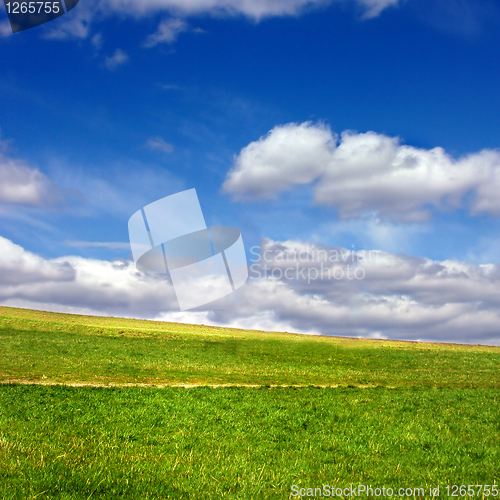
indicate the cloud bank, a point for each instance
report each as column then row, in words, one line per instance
column 77, row 284
column 398, row 297
column 365, row 172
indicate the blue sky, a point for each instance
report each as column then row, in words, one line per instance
column 119, row 103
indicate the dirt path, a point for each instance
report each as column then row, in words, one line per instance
column 185, row 386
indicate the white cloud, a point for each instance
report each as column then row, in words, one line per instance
column 119, row 58
column 255, row 9
column 75, row 283
column 289, row 155
column 168, row 31
column 157, row 143
column 20, row 268
column 22, row 184
column 400, row 297
column 366, row 172
column 78, row 25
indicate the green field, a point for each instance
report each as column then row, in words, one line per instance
column 115, row 408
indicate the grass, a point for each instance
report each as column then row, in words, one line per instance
column 241, row 443
column 394, row 414
column 58, row 348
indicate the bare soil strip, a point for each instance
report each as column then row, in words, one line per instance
column 184, row 386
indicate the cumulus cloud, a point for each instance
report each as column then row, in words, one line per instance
column 293, row 286
column 289, row 155
column 22, row 184
column 19, row 267
column 361, row 173
column 119, row 58
column 168, row 31
column 77, row 284
column 335, row 291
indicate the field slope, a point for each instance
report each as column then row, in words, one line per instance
column 115, row 408
column 59, row 348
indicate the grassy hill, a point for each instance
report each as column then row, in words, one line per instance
column 60, row 348
column 114, row 408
